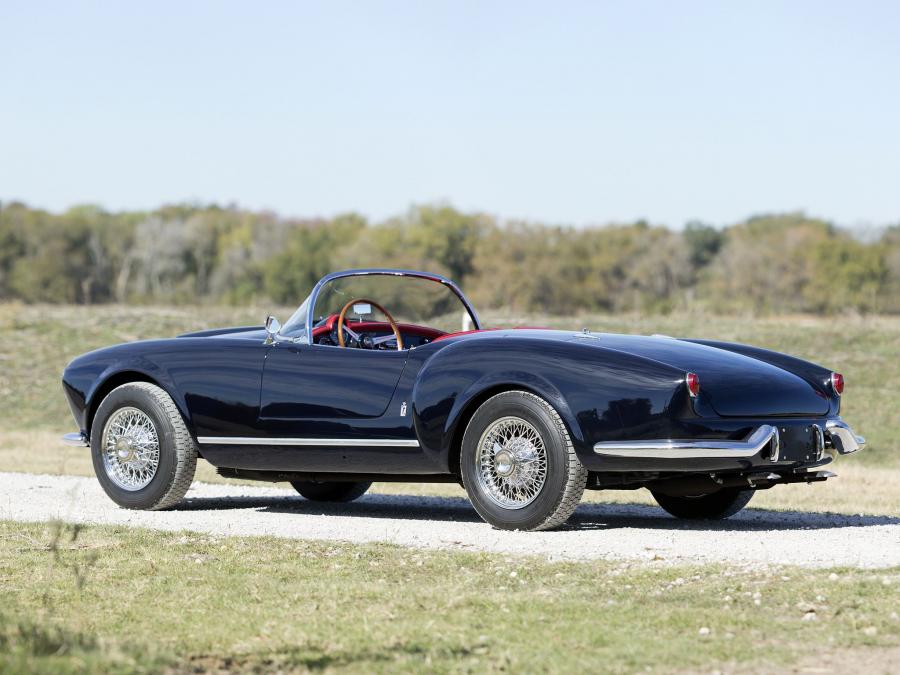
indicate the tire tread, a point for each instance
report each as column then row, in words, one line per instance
column 715, row 506
column 183, row 442
column 576, row 478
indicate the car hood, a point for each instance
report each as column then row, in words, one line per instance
column 733, row 384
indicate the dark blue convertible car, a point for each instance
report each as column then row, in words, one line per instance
column 388, row 375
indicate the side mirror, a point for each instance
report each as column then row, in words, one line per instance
column 272, row 328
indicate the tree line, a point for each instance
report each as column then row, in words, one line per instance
column 780, row 263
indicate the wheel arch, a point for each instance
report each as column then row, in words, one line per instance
column 454, row 382
column 117, row 379
column 457, row 424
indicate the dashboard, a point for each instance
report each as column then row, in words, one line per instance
column 373, row 334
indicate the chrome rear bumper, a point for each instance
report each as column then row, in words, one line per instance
column 76, row 439
column 842, row 437
column 764, row 440
column 673, row 449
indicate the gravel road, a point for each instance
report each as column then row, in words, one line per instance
column 614, row 532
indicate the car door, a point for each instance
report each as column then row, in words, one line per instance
column 319, row 391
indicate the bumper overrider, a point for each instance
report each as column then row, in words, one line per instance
column 763, row 445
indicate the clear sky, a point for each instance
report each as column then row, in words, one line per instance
column 563, row 112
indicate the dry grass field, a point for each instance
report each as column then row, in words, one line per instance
column 87, row 599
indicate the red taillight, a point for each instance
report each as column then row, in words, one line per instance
column 837, row 383
column 693, row 384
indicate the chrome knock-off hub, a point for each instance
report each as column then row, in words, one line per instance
column 504, row 463
column 124, row 450
column 512, row 462
column 130, row 447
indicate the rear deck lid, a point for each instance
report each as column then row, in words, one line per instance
column 734, row 385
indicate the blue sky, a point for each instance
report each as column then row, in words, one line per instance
column 562, row 112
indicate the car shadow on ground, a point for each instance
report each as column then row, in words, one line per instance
column 587, row 517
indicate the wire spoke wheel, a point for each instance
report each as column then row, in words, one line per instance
column 130, row 447
column 512, row 462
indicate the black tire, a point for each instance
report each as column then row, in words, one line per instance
column 177, row 451
column 331, row 491
column 715, row 506
column 564, row 476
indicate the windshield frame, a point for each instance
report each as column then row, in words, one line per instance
column 310, row 302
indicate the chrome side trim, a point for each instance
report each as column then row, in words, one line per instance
column 843, row 438
column 315, row 442
column 76, row 439
column 676, row 449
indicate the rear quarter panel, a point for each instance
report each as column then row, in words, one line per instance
column 600, row 394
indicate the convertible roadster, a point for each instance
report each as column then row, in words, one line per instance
column 387, row 375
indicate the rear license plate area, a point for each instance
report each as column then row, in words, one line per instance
column 799, row 443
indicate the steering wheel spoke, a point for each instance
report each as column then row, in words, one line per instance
column 382, row 339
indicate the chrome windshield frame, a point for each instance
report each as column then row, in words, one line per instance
column 313, row 297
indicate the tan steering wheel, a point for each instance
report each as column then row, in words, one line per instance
column 340, row 323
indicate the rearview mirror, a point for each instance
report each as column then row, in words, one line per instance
column 272, row 328
column 362, row 309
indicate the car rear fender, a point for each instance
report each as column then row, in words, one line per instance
column 580, row 381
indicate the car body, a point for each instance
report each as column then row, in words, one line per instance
column 683, row 417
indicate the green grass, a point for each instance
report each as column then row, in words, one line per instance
column 152, row 600
column 29, row 647
column 36, row 342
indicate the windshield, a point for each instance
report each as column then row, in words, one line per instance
column 410, row 300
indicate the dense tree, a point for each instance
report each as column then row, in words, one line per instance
column 195, row 253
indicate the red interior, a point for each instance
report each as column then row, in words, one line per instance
column 462, row 332
column 406, row 328
column 378, row 326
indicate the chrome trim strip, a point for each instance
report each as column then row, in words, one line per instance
column 699, row 449
column 848, row 441
column 315, row 442
column 76, row 439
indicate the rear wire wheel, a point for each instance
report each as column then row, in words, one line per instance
column 714, row 506
column 518, row 464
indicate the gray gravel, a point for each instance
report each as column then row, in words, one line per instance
column 614, row 532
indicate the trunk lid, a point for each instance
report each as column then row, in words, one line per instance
column 734, row 385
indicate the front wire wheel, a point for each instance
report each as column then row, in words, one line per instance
column 518, row 464
column 130, row 448
column 143, row 454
